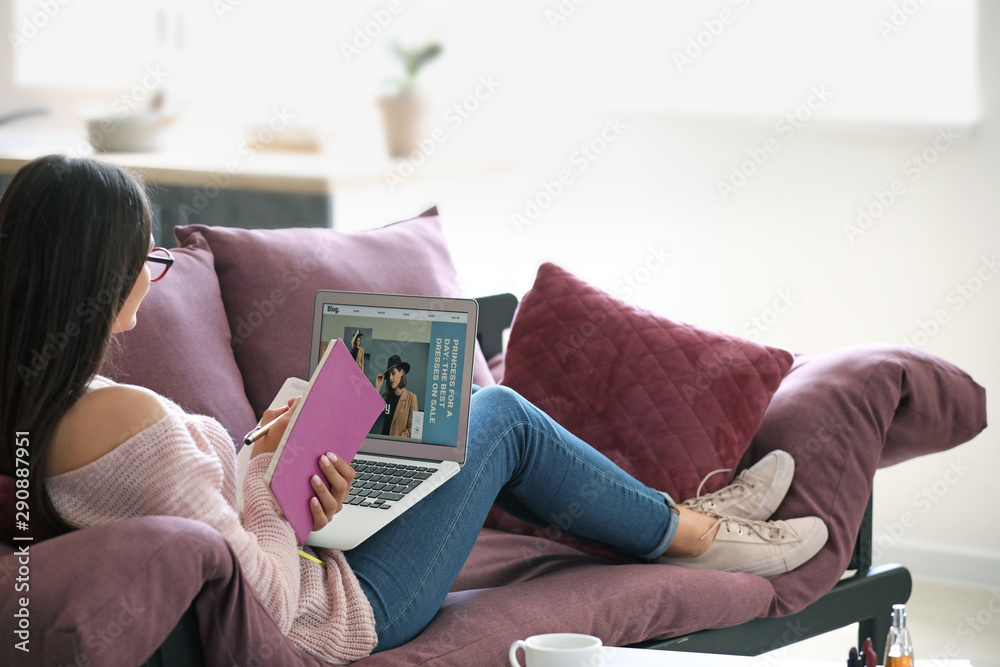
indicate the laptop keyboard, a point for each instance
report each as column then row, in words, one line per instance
column 378, row 483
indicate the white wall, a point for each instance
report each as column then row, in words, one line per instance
column 781, row 233
column 655, row 188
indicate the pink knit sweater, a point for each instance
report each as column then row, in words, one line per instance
column 185, row 465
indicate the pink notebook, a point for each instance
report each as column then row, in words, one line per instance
column 335, row 414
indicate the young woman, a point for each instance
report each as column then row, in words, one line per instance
column 76, row 260
column 400, row 402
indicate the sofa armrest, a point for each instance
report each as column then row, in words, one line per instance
column 111, row 594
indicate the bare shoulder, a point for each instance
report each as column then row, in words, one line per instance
column 100, row 421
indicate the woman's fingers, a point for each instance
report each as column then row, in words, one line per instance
column 330, row 495
column 323, row 505
column 271, row 415
column 269, row 441
column 339, row 474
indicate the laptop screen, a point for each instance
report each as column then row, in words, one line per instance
column 417, row 352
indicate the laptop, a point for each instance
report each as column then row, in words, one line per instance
column 420, row 442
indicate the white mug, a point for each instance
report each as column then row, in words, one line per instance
column 563, row 649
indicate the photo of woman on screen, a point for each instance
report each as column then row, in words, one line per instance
column 400, row 402
column 357, row 351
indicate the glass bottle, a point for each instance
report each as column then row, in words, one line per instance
column 898, row 646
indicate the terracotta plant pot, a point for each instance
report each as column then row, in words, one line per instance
column 403, row 115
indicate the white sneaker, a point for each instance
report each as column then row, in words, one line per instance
column 754, row 494
column 764, row 548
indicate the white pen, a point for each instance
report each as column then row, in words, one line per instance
column 258, row 433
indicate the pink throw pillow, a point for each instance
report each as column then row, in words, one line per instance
column 665, row 400
column 180, row 346
column 269, row 279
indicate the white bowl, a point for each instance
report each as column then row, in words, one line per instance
column 132, row 133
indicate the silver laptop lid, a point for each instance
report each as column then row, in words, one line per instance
column 433, row 339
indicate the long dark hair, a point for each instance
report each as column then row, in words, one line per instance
column 74, row 236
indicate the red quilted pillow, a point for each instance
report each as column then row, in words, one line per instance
column 665, row 400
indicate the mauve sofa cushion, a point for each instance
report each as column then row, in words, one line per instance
column 842, row 415
column 667, row 401
column 269, row 279
column 180, row 346
column 510, row 589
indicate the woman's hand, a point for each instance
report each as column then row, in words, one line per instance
column 330, row 495
column 328, row 501
column 379, row 379
column 269, row 441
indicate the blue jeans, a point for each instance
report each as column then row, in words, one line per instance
column 531, row 467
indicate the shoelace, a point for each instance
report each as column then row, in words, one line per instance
column 738, row 485
column 705, row 479
column 773, row 533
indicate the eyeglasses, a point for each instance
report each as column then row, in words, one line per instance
column 159, row 261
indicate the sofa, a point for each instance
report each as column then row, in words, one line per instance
column 666, row 400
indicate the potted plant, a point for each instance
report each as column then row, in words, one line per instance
column 403, row 110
